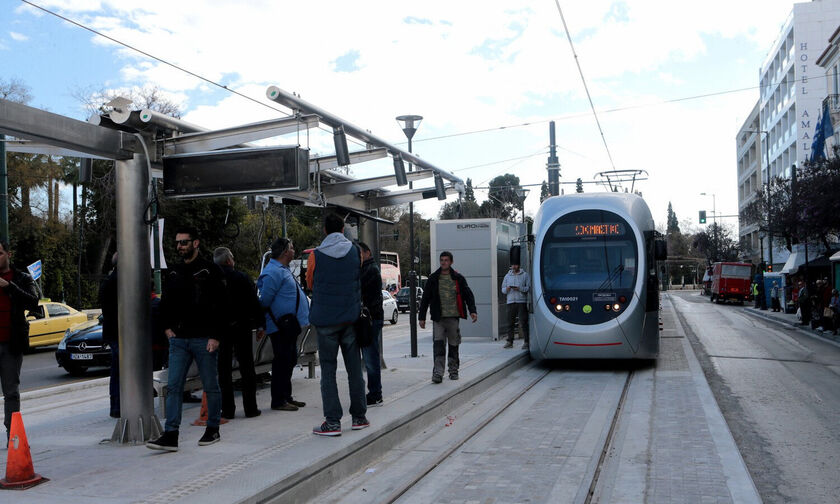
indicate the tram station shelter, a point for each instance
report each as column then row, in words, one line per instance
column 481, row 251
column 195, row 162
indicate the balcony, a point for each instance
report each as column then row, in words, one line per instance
column 832, row 101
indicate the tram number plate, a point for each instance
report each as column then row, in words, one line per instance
column 81, row 356
column 603, row 296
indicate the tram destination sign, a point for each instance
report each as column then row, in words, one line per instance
column 236, row 172
column 589, row 230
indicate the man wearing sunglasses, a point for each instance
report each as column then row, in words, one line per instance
column 193, row 311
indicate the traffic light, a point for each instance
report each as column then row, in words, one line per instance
column 770, row 268
column 702, row 216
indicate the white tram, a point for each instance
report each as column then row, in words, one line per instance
column 595, row 291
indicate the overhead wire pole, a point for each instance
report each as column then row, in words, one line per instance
column 4, row 191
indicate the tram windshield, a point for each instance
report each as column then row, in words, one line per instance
column 590, row 250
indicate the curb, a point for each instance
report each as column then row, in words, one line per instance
column 307, row 483
column 792, row 325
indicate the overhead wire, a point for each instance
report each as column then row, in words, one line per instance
column 585, row 87
column 168, row 63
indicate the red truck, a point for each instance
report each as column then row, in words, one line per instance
column 731, row 281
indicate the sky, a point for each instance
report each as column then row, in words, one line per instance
column 487, row 77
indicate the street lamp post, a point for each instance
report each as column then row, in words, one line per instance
column 767, row 184
column 409, row 125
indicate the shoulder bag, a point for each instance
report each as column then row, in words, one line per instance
column 288, row 324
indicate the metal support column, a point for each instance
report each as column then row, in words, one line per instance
column 138, row 422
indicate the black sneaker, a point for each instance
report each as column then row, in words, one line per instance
column 211, row 436
column 168, row 441
column 453, row 376
column 299, row 404
column 252, row 414
column 285, row 407
column 374, row 403
column 360, row 423
column 327, row 429
column 508, row 344
column 437, row 379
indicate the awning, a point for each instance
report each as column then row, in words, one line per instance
column 835, row 257
column 795, row 260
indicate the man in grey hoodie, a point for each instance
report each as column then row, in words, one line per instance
column 333, row 273
column 516, row 286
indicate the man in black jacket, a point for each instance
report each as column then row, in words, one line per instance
column 193, row 310
column 17, row 294
column 371, row 281
column 449, row 299
column 247, row 314
column 108, row 303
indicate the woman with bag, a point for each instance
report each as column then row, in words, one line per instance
column 286, row 313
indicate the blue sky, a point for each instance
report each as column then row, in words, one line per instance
column 461, row 69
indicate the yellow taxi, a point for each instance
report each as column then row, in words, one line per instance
column 48, row 323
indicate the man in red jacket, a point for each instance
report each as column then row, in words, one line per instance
column 449, row 299
column 17, row 294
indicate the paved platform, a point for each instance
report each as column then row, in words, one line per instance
column 672, row 445
column 68, row 428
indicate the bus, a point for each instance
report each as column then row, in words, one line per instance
column 390, row 268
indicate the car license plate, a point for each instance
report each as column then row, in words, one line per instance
column 81, row 356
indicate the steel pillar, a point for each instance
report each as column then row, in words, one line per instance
column 138, row 422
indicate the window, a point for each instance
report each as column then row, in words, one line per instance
column 56, row 310
column 588, row 261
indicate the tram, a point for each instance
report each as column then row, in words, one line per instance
column 595, row 289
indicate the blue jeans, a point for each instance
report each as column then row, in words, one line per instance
column 371, row 356
column 182, row 351
column 330, row 339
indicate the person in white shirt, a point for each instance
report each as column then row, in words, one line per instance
column 516, row 286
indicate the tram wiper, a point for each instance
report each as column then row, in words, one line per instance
column 616, row 271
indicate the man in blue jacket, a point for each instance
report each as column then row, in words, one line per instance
column 281, row 295
column 333, row 272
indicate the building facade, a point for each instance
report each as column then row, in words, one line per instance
column 829, row 60
column 792, row 91
column 749, row 182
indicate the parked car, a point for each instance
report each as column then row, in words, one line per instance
column 48, row 323
column 389, row 307
column 402, row 298
column 82, row 347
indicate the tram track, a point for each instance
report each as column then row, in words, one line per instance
column 588, row 490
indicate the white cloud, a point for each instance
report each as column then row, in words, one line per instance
column 464, row 66
column 18, row 37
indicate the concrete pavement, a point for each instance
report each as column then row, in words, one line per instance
column 672, row 444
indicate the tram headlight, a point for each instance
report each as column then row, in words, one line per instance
column 616, row 307
column 607, row 307
column 622, row 299
column 567, row 307
column 559, row 307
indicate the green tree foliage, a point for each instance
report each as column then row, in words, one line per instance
column 717, row 243
column 469, row 193
column 503, row 199
column 673, row 222
column 544, row 194
column 807, row 208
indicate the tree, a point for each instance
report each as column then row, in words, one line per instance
column 544, row 194
column 717, row 243
column 579, row 185
column 503, row 201
column 469, row 193
column 673, row 222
